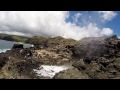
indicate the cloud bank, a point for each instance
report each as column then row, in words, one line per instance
column 51, row 24
column 107, row 15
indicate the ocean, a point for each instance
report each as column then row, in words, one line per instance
column 7, row 45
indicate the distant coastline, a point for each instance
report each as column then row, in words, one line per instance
column 13, row 38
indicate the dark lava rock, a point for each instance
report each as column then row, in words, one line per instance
column 97, row 47
column 19, row 46
column 101, row 75
column 117, row 64
column 3, row 60
column 71, row 74
column 89, row 47
column 20, row 69
column 80, row 65
column 94, row 67
column 92, row 58
column 104, row 61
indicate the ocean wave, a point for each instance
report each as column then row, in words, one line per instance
column 3, row 50
column 49, row 70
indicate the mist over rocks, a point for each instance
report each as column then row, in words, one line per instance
column 97, row 66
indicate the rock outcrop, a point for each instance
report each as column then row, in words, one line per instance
column 17, row 46
column 80, row 65
column 92, row 58
column 71, row 74
column 97, row 58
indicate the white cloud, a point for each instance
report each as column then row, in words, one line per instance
column 76, row 17
column 47, row 23
column 106, row 31
column 107, row 15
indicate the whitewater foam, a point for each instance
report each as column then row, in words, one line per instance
column 49, row 70
column 3, row 50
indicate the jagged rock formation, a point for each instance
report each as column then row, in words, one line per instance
column 22, row 59
column 71, row 74
column 99, row 60
column 92, row 58
column 89, row 47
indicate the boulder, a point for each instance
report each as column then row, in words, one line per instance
column 17, row 46
column 80, row 65
column 94, row 67
column 72, row 73
column 104, row 61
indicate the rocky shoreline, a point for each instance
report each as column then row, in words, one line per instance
column 91, row 58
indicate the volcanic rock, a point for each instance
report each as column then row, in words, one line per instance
column 17, row 46
column 80, row 65
column 71, row 74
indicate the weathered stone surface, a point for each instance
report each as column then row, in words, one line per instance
column 71, row 74
column 80, row 65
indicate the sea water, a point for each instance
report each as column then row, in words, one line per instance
column 50, row 70
column 7, row 45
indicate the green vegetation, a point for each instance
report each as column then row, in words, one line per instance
column 50, row 41
column 19, row 39
column 2, row 35
column 13, row 38
column 61, row 40
column 37, row 40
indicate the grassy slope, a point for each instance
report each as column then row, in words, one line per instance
column 42, row 40
column 13, row 38
column 37, row 40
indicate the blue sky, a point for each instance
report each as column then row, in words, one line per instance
column 113, row 24
column 68, row 24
